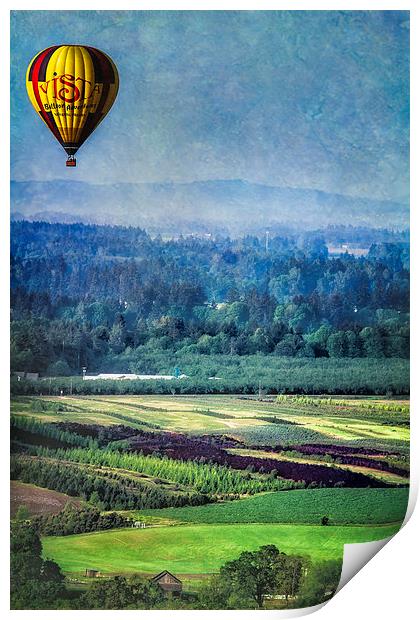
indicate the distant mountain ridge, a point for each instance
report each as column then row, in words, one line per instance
column 232, row 206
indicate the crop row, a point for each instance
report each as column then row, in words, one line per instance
column 52, row 431
column 207, row 478
column 340, row 506
column 341, row 454
column 278, row 434
column 335, row 402
column 179, row 446
column 109, row 490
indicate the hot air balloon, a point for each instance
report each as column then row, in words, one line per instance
column 72, row 87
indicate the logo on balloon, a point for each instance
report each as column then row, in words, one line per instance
column 69, row 88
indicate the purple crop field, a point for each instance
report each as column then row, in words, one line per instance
column 212, row 449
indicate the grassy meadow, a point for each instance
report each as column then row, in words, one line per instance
column 199, row 549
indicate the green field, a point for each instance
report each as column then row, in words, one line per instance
column 308, row 506
column 238, row 417
column 181, row 414
column 198, row 549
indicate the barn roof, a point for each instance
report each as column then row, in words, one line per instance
column 165, row 572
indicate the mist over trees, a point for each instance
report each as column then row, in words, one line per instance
column 90, row 295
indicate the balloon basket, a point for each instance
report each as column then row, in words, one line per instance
column 71, row 163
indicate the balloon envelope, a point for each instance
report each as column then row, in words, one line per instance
column 72, row 87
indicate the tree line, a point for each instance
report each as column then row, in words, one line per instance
column 234, row 374
column 83, row 296
column 73, row 520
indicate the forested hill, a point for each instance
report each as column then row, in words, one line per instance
column 88, row 294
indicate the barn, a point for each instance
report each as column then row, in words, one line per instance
column 168, row 582
column 92, row 572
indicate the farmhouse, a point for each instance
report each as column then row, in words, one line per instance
column 168, row 582
column 91, row 572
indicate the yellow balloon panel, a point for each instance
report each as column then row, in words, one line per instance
column 72, row 87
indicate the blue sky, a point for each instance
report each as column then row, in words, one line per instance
column 292, row 99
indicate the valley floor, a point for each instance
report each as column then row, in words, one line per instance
column 342, row 461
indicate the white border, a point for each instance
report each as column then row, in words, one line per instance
column 395, row 567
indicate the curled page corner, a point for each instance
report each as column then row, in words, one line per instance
column 357, row 555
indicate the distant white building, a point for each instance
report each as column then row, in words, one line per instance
column 132, row 377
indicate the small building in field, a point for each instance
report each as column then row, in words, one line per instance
column 168, row 582
column 91, row 572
